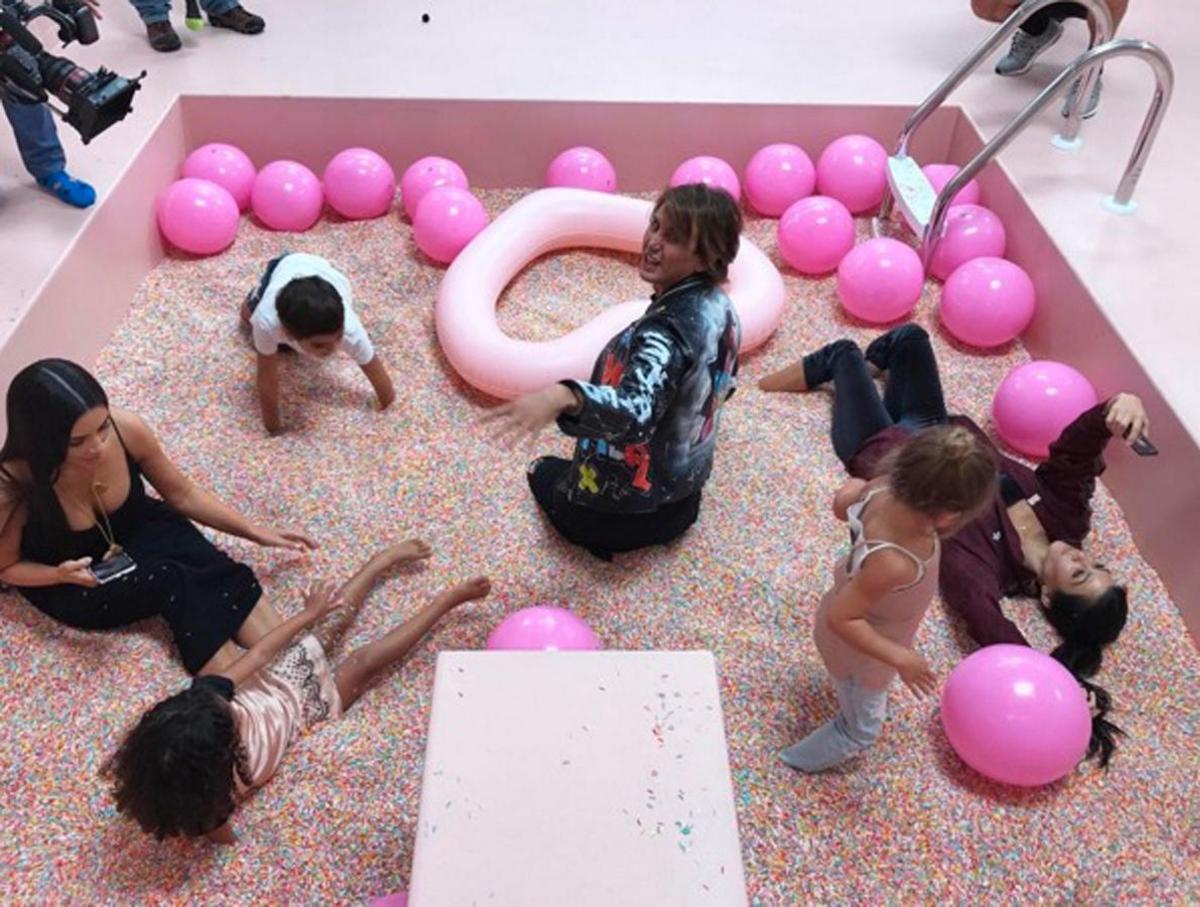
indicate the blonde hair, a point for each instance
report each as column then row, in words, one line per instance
column 946, row 469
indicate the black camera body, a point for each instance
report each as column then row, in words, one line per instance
column 30, row 75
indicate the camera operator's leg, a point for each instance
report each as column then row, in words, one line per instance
column 156, row 14
column 42, row 153
column 230, row 14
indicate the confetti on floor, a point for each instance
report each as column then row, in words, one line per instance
column 908, row 824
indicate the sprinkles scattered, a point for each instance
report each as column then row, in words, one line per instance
column 909, row 823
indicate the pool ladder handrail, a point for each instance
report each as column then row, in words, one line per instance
column 1090, row 61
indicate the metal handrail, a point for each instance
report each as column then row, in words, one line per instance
column 1164, row 77
column 1102, row 34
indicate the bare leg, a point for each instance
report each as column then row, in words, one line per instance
column 223, row 659
column 356, row 589
column 789, row 379
column 245, row 313
column 258, row 623
column 361, row 665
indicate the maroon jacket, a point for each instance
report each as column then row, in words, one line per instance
column 982, row 563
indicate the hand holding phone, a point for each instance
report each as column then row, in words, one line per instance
column 112, row 568
column 1143, row 448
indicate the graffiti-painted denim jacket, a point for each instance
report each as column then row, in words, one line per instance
column 648, row 422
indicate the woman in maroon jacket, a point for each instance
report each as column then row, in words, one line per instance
column 1028, row 541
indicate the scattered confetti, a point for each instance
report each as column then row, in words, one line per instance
column 907, row 824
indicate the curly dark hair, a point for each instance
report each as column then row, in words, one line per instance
column 173, row 773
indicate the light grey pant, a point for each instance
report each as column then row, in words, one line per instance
column 851, row 731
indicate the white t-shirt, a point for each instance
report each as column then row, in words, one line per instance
column 264, row 321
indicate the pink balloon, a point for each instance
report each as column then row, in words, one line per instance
column 972, row 231
column 940, row 174
column 446, row 220
column 1036, row 401
column 777, row 177
column 359, row 184
column 287, row 196
column 429, row 173
column 227, row 166
column 880, row 280
column 582, row 167
column 853, row 169
column 987, row 302
column 712, row 171
column 198, row 216
column 1016, row 715
column 395, row 899
column 815, row 234
column 543, row 628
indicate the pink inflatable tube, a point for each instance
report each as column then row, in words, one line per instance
column 557, row 219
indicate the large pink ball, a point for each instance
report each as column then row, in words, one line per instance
column 543, row 628
column 429, row 173
column 972, row 231
column 582, row 167
column 987, row 302
column 777, row 177
column 198, row 216
column 853, row 169
column 712, row 171
column 1016, row 715
column 395, row 899
column 287, row 196
column 446, row 220
column 359, row 184
column 880, row 280
column 1036, row 401
column 940, row 174
column 227, row 166
column 815, row 234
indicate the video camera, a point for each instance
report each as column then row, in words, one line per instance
column 30, row 75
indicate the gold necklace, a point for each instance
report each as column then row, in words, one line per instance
column 103, row 524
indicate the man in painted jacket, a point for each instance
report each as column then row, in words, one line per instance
column 647, row 421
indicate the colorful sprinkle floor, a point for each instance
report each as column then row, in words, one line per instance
column 908, row 824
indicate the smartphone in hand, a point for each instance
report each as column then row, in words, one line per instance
column 112, row 568
column 1143, row 448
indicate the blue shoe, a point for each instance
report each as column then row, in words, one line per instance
column 65, row 188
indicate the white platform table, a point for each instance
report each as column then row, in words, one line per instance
column 576, row 779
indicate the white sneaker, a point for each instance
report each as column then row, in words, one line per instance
column 1026, row 48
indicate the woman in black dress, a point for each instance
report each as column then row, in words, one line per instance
column 73, row 506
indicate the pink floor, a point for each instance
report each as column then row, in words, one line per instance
column 908, row 824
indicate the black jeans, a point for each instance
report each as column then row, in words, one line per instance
column 1040, row 21
column 600, row 532
column 913, row 398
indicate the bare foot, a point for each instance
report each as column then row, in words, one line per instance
column 471, row 590
column 789, row 379
column 405, row 552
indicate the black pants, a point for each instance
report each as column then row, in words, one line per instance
column 1040, row 21
column 605, row 534
column 913, row 398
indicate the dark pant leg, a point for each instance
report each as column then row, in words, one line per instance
column 1040, row 21
column 858, row 413
column 913, row 397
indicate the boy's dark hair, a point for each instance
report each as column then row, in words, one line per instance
column 708, row 221
column 173, row 773
column 309, row 306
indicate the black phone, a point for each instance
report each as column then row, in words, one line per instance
column 1143, row 448
column 112, row 568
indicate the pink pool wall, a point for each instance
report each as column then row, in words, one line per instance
column 508, row 143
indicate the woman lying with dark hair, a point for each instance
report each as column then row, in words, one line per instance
column 1028, row 541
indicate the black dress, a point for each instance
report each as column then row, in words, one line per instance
column 203, row 594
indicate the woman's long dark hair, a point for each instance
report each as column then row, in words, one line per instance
column 1086, row 627
column 44, row 402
